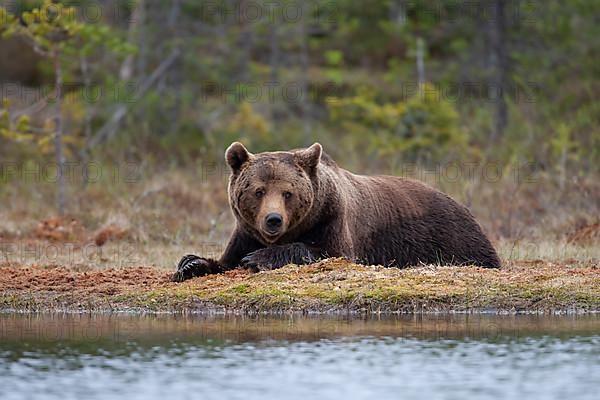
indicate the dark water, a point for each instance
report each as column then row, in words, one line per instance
column 166, row 357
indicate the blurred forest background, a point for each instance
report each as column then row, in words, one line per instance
column 493, row 101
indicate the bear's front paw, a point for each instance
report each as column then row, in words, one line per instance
column 191, row 266
column 260, row 260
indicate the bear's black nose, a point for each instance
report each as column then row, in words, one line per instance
column 274, row 221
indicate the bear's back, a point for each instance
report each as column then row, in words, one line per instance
column 401, row 221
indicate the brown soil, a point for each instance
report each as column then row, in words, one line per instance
column 331, row 285
column 57, row 279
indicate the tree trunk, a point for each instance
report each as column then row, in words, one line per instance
column 305, row 84
column 245, row 41
column 499, row 62
column 58, row 135
column 127, row 67
column 87, row 121
column 274, row 58
column 421, row 60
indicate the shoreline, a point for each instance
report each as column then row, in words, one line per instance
column 330, row 287
column 210, row 311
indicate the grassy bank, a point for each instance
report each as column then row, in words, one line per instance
column 118, row 247
column 333, row 285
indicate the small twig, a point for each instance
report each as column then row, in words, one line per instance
column 31, row 109
column 34, row 45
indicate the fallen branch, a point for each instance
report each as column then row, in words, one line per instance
column 108, row 129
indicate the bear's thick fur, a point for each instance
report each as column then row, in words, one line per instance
column 299, row 206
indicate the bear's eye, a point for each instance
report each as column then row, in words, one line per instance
column 287, row 195
column 259, row 193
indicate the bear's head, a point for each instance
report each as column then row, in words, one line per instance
column 272, row 193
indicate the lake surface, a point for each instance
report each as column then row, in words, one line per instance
column 166, row 357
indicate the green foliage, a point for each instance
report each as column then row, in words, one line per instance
column 55, row 32
column 348, row 45
column 53, row 27
column 19, row 130
column 423, row 128
column 248, row 124
column 94, row 36
column 334, row 60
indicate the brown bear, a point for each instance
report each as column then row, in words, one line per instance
column 296, row 207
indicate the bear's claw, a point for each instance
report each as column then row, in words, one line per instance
column 257, row 261
column 276, row 257
column 191, row 266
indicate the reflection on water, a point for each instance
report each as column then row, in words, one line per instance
column 445, row 357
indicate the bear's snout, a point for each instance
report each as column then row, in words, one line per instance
column 273, row 222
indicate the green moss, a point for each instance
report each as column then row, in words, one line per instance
column 339, row 285
column 241, row 289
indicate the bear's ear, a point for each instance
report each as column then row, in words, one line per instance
column 236, row 155
column 309, row 158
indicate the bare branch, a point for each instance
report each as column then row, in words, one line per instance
column 107, row 129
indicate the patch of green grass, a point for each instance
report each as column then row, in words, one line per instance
column 338, row 285
column 241, row 289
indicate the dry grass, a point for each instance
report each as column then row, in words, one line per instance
column 333, row 285
column 119, row 245
column 183, row 207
